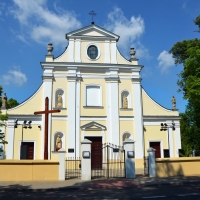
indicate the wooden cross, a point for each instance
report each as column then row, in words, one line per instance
column 46, row 112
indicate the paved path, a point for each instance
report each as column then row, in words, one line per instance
column 98, row 183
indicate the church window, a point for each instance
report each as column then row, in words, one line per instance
column 92, row 52
column 125, row 99
column 93, row 95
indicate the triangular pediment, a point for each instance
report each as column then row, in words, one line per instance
column 93, row 126
column 92, row 31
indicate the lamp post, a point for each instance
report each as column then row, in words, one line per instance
column 24, row 125
column 165, row 127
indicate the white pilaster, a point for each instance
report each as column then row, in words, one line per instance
column 47, row 92
column 108, row 105
column 107, row 52
column 71, row 50
column 78, row 51
column 10, row 139
column 178, row 140
column 113, row 52
column 138, row 117
column 171, row 143
column 71, row 111
column 78, row 99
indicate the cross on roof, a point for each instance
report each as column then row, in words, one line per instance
column 93, row 14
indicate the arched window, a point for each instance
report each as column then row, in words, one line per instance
column 125, row 99
column 58, row 141
column 59, row 98
column 92, row 52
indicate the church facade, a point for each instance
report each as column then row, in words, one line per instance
column 100, row 97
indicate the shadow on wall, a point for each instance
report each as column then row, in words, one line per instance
column 166, row 169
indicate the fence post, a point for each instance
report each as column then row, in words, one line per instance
column 86, row 159
column 152, row 162
column 61, row 157
column 129, row 148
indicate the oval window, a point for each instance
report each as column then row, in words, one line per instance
column 92, row 52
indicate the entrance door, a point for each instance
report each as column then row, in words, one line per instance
column 27, row 150
column 96, row 152
column 156, row 146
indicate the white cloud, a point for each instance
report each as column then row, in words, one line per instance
column 41, row 24
column 165, row 61
column 129, row 31
column 15, row 77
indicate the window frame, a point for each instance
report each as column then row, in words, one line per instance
column 98, row 49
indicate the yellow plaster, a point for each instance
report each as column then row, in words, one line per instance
column 93, row 111
column 150, row 107
column 122, row 60
column 63, row 57
column 31, row 135
column 84, row 57
column 34, row 103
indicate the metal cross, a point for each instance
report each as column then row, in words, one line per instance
column 93, row 14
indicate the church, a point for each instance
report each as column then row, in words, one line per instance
column 90, row 91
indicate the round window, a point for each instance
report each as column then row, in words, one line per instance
column 92, row 52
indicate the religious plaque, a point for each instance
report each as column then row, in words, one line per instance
column 130, row 154
column 86, row 154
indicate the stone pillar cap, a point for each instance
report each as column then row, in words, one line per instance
column 150, row 149
column 86, row 141
column 61, row 150
column 128, row 141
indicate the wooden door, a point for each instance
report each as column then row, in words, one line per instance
column 156, row 146
column 96, row 152
column 28, row 150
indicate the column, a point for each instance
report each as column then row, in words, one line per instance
column 10, row 139
column 129, row 148
column 113, row 52
column 138, row 118
column 78, row 50
column 107, row 51
column 86, row 160
column 71, row 50
column 71, row 130
column 61, row 158
column 78, row 99
column 152, row 162
column 178, row 138
column 47, row 92
column 171, row 143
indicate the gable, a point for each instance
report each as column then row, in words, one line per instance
column 92, row 31
column 93, row 126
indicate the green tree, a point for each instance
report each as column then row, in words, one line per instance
column 3, row 117
column 11, row 103
column 187, row 52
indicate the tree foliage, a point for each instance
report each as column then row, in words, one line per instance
column 11, row 103
column 187, row 52
column 3, row 117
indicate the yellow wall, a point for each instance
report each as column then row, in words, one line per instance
column 84, row 57
column 122, row 60
column 95, row 111
column 33, row 134
column 150, row 107
column 178, row 167
column 33, row 104
column 153, row 133
column 126, row 85
column 25, row 170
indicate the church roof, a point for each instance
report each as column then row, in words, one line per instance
column 92, row 31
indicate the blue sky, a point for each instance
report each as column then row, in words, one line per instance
column 152, row 27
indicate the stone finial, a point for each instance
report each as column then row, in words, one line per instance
column 132, row 53
column 50, row 48
column 173, row 100
column 4, row 100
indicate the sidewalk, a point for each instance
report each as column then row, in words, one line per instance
column 117, row 183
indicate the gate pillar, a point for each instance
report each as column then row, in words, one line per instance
column 129, row 147
column 152, row 162
column 61, row 158
column 86, row 159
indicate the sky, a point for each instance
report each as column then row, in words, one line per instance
column 151, row 27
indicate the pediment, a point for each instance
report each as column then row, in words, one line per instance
column 93, row 126
column 92, row 31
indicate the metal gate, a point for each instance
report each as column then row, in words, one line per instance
column 108, row 161
column 146, row 165
column 73, row 168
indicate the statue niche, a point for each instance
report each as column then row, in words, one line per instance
column 58, row 143
column 60, row 101
column 125, row 102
